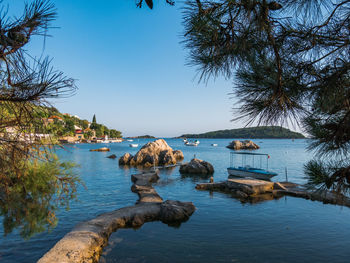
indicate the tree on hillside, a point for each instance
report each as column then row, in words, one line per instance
column 290, row 61
column 115, row 134
column 32, row 180
column 94, row 125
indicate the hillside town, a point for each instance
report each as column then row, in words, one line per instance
column 64, row 128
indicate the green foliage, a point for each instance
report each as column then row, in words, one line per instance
column 88, row 134
column 328, row 175
column 29, row 202
column 115, row 134
column 252, row 132
column 290, row 60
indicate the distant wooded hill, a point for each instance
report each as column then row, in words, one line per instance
column 142, row 137
column 250, row 133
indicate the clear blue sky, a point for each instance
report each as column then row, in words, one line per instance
column 130, row 68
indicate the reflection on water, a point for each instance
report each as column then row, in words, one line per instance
column 223, row 229
column 28, row 203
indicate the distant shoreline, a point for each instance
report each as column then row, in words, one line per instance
column 261, row 132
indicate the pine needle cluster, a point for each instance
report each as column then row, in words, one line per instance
column 290, row 60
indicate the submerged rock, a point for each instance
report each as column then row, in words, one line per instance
column 243, row 145
column 112, row 156
column 103, row 149
column 157, row 153
column 196, row 166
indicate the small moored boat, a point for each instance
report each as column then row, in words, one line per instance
column 250, row 171
column 134, row 145
column 214, row 144
column 189, row 143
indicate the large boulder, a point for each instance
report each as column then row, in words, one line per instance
column 196, row 166
column 243, row 145
column 157, row 153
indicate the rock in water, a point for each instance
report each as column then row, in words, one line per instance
column 157, row 153
column 125, row 159
column 243, row 145
column 103, row 149
column 112, row 156
column 196, row 166
column 179, row 156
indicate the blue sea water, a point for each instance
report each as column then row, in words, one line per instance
column 222, row 229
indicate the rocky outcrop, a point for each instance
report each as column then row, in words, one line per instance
column 157, row 153
column 125, row 159
column 103, row 149
column 112, row 156
column 86, row 241
column 196, row 166
column 243, row 145
column 179, row 156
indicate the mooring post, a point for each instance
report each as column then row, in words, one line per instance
column 286, row 172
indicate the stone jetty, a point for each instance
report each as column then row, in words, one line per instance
column 143, row 187
column 253, row 189
column 84, row 244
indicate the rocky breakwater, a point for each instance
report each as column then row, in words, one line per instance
column 249, row 189
column 143, row 187
column 196, row 166
column 156, row 153
column 84, row 244
column 243, row 145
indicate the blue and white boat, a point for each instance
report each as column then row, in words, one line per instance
column 246, row 170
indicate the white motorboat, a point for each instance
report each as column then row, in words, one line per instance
column 250, row 171
column 189, row 143
column 214, row 144
column 133, row 145
column 130, row 140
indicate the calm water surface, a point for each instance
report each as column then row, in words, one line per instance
column 221, row 230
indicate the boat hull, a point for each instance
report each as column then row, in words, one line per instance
column 246, row 173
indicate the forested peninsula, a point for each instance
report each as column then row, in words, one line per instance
column 262, row 132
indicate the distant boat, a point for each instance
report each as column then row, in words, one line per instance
column 249, row 171
column 185, row 140
column 214, row 144
column 130, row 140
column 134, row 145
column 195, row 143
